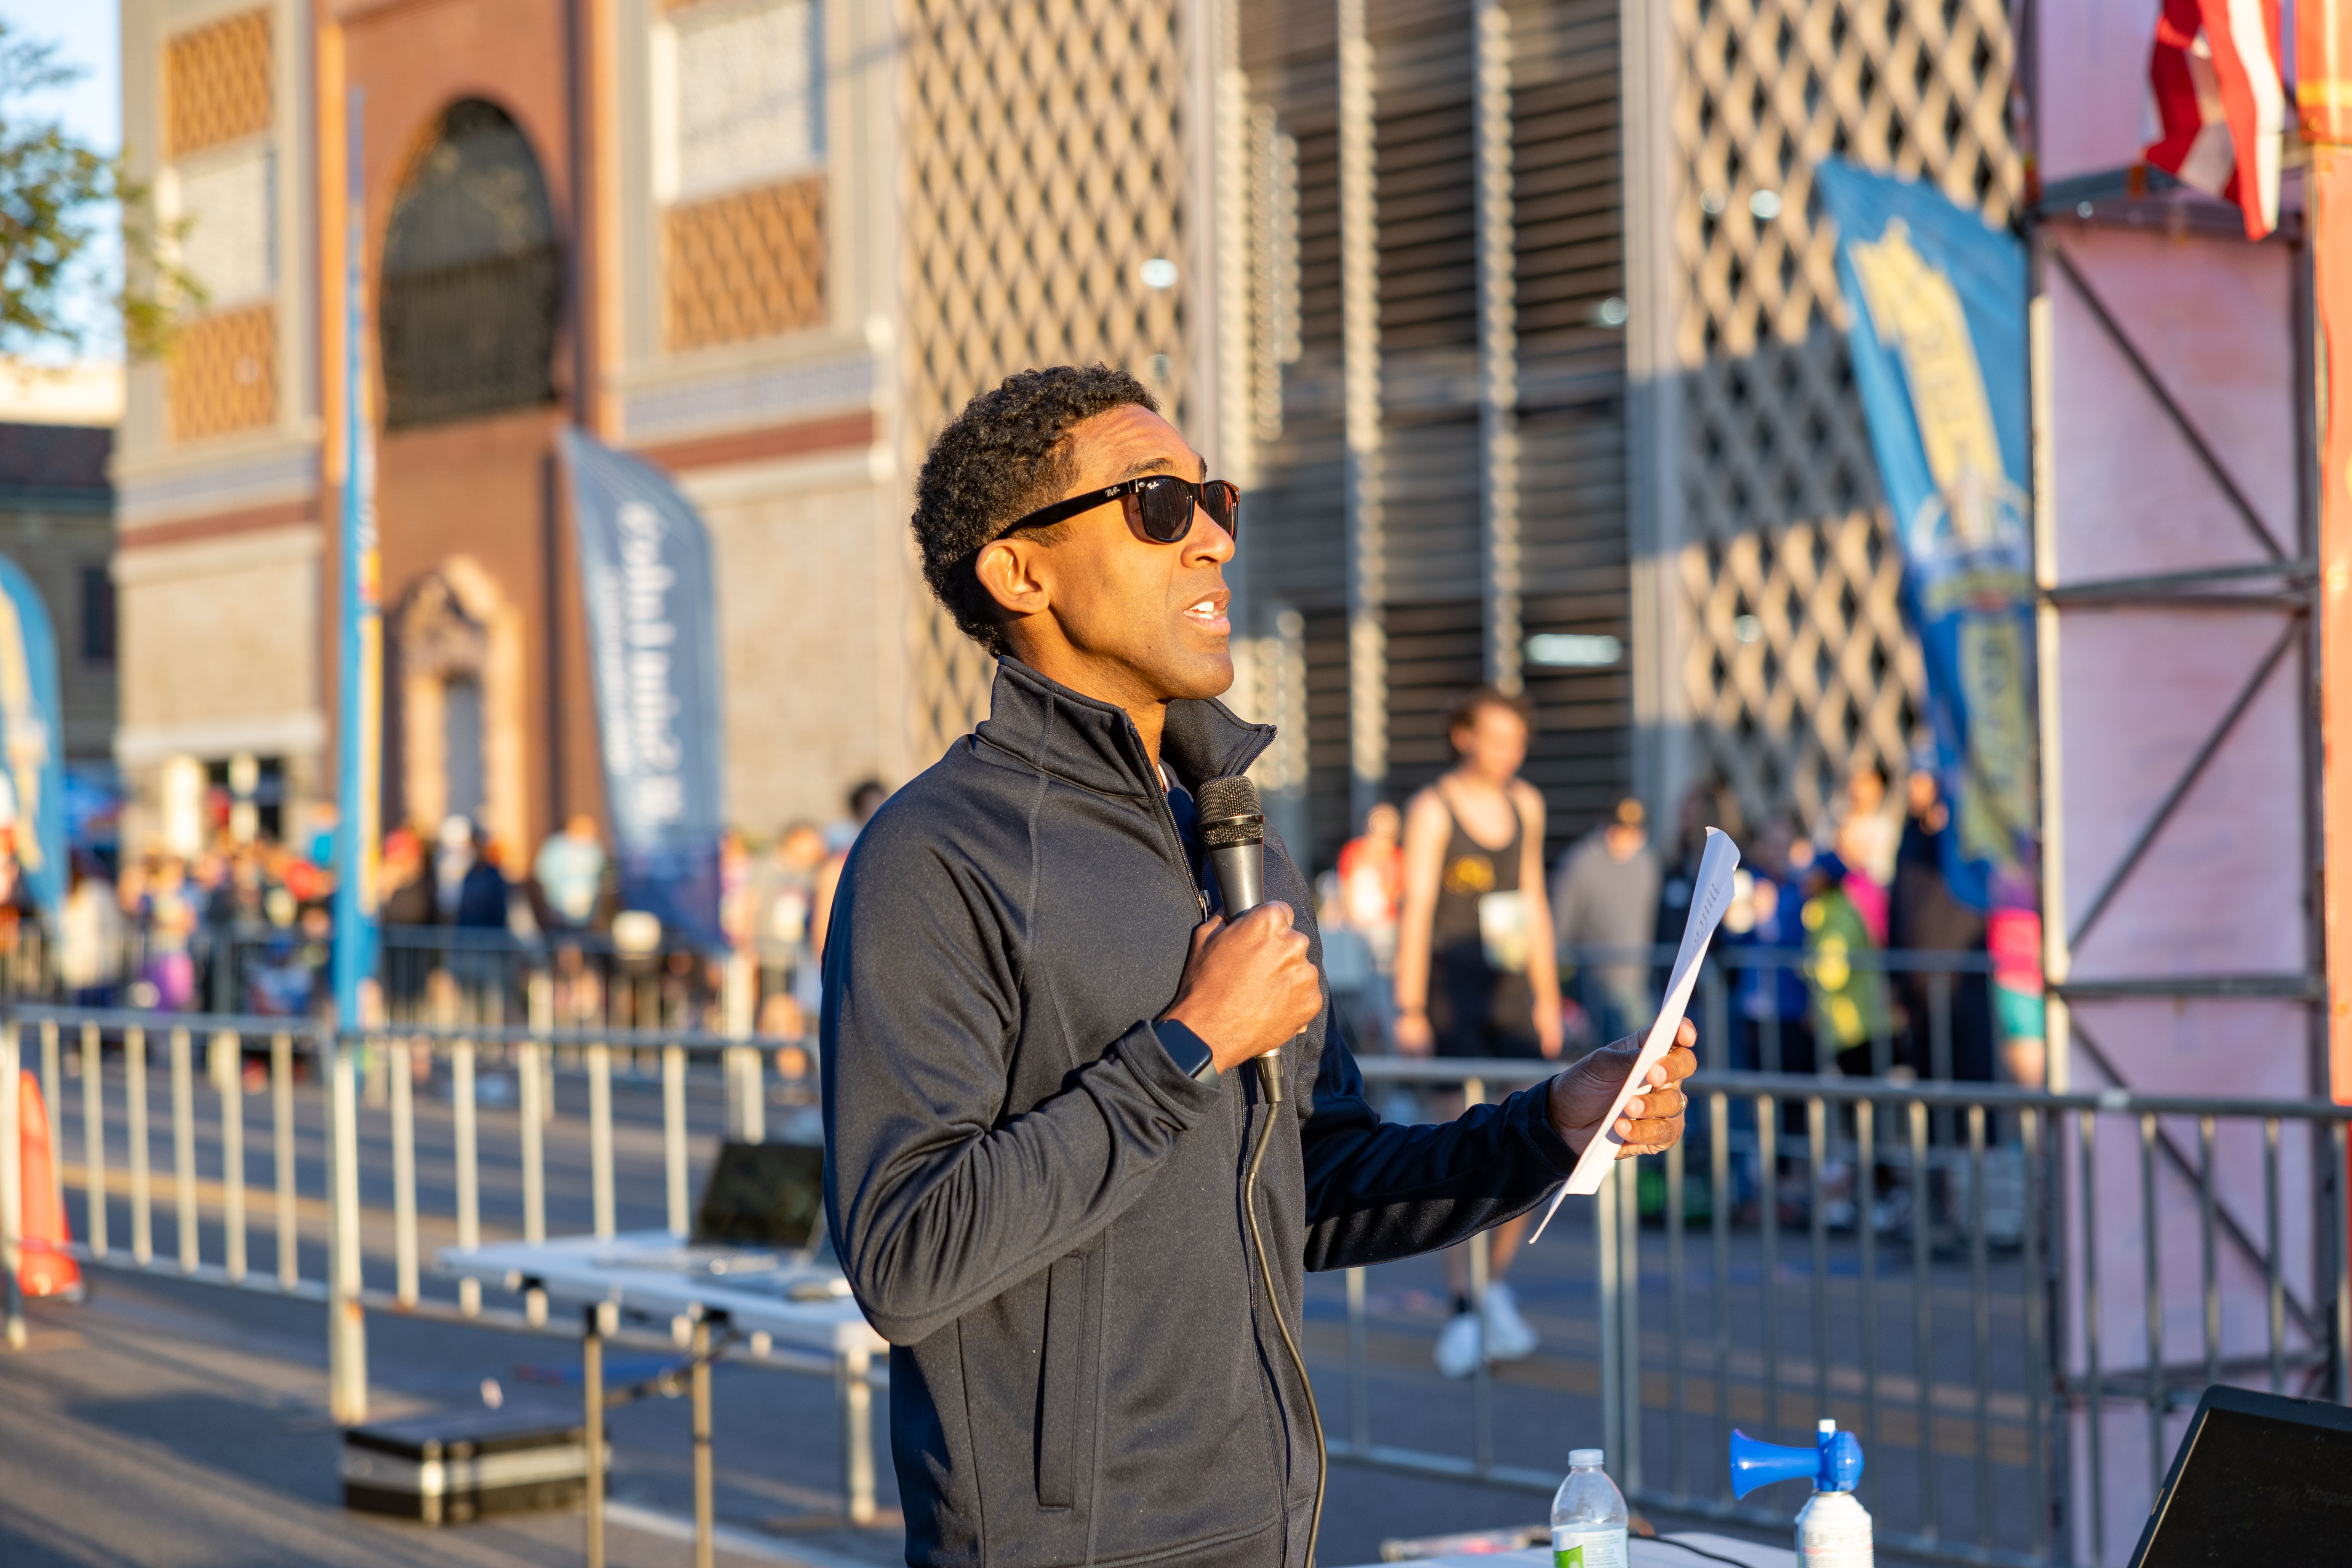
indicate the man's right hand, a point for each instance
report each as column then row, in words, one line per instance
column 1248, row 987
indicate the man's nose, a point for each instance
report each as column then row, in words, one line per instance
column 1208, row 541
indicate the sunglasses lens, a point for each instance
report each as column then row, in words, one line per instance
column 1167, row 510
column 1162, row 508
column 1223, row 502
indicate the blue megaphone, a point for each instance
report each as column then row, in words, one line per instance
column 1833, row 1463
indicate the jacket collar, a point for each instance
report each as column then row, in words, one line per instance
column 1094, row 744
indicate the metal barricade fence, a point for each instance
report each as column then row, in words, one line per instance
column 375, row 1149
column 1920, row 1261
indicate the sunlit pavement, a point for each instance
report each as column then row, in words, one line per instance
column 169, row 1423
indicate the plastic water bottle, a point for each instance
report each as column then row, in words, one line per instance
column 1588, row 1516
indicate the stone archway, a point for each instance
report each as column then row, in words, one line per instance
column 458, row 668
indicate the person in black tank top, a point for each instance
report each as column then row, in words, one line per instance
column 1480, row 1003
column 1476, row 966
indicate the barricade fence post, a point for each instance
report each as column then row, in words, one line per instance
column 1625, row 1187
column 93, row 1138
column 1605, row 1264
column 143, row 1196
column 346, row 1316
column 12, row 1191
column 403, row 1173
column 531, row 1114
column 674, row 1150
column 281, row 1139
column 183, row 1148
column 600, row 1136
column 462, row 1088
column 228, row 1044
column 1482, row 1376
column 53, row 1111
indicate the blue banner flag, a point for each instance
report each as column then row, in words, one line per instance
column 32, row 766
column 645, row 573
column 1937, row 338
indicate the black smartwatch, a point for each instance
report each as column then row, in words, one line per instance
column 1187, row 1050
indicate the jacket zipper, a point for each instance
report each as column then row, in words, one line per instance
column 1167, row 820
column 1246, row 1111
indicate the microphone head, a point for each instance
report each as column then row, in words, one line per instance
column 1229, row 813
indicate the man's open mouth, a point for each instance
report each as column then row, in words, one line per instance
column 1209, row 614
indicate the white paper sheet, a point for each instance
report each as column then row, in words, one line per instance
column 1710, row 896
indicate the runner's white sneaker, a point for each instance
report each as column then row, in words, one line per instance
column 1457, row 1347
column 1508, row 1338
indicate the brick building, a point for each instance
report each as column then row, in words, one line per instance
column 756, row 241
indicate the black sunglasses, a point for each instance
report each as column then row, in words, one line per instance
column 1158, row 506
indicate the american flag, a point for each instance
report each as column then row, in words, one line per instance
column 2219, row 104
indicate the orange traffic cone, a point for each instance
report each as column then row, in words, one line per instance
column 47, row 1268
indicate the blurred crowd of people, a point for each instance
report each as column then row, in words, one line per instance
column 241, row 927
column 247, row 926
column 1843, row 949
column 1814, row 909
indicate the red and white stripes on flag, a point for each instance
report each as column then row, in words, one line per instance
column 2219, row 104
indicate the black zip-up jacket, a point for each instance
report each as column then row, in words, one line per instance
column 1042, row 1213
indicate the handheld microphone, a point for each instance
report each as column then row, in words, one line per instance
column 1232, row 830
column 1234, row 833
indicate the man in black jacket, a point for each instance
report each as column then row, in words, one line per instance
column 1037, row 1141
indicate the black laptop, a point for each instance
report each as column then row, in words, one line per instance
column 765, row 1195
column 2259, row 1478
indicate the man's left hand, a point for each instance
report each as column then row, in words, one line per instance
column 1651, row 1122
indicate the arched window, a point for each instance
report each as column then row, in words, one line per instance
column 471, row 286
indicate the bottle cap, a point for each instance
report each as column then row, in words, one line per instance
column 1584, row 1459
column 1828, row 1425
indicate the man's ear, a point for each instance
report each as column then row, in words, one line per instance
column 1008, row 570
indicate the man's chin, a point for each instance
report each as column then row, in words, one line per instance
column 1204, row 674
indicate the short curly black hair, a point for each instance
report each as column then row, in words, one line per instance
column 999, row 459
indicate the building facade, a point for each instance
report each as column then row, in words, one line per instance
column 1542, row 347
column 56, row 523
column 1513, row 316
column 768, row 245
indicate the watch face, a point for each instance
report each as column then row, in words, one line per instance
column 1187, row 1050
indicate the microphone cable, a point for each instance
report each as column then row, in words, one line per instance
column 1269, row 1077
column 1233, row 831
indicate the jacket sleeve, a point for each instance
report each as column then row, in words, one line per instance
column 1377, row 1191
column 937, row 1201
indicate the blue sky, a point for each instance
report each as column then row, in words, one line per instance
column 89, row 33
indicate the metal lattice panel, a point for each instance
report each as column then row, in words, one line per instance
column 1044, row 165
column 1453, row 605
column 222, row 375
column 743, row 266
column 1802, row 651
column 216, row 84
column 1800, row 667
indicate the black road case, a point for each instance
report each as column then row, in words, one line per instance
column 451, row 1466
